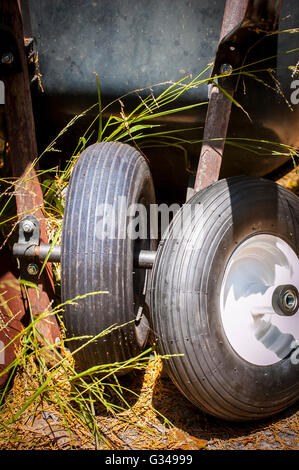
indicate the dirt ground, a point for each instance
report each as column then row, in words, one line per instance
column 194, row 429
column 159, row 419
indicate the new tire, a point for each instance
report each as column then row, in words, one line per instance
column 210, row 298
column 98, row 253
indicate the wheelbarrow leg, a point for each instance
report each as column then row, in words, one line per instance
column 219, row 110
column 244, row 22
column 23, row 151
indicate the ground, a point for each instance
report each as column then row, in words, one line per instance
column 159, row 419
column 194, row 429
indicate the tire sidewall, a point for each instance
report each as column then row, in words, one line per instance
column 186, row 301
column 93, row 261
column 249, row 381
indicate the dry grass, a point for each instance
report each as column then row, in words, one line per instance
column 159, row 418
column 291, row 181
column 46, row 425
column 43, row 426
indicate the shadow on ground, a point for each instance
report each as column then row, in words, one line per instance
column 278, row 432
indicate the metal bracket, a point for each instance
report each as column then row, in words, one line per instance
column 28, row 247
column 244, row 23
column 261, row 17
column 29, row 236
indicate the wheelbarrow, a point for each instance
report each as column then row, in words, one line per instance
column 218, row 288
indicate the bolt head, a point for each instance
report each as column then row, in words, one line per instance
column 32, row 269
column 28, row 226
column 226, row 69
column 7, row 58
column 285, row 300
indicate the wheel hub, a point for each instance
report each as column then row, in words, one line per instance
column 259, row 299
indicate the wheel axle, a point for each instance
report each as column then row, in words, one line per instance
column 143, row 259
column 29, row 248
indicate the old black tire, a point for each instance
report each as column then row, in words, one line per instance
column 185, row 298
column 94, row 262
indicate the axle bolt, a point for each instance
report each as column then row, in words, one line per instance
column 7, row 58
column 285, row 300
column 32, row 269
column 28, row 226
column 226, row 69
column 289, row 300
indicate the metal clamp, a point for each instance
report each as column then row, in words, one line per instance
column 261, row 17
column 29, row 234
column 28, row 247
